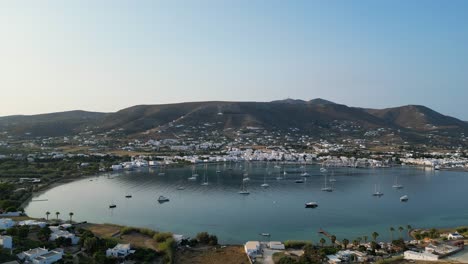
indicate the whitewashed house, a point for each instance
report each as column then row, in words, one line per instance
column 41, row 256
column 120, row 251
column 6, row 242
column 252, row 248
column 454, row 236
column 58, row 232
column 6, row 223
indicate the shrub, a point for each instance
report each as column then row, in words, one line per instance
column 296, row 244
column 161, row 237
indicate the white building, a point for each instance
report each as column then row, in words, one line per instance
column 32, row 223
column 49, row 257
column 6, row 242
column 276, row 245
column 121, row 250
column 116, row 167
column 6, row 223
column 252, row 248
column 41, row 255
column 58, row 232
column 454, row 236
column 425, row 256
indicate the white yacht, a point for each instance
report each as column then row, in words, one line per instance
column 404, row 198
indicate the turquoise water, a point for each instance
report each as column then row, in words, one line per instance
column 436, row 199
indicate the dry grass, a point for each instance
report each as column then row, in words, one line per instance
column 140, row 240
column 227, row 255
column 103, row 230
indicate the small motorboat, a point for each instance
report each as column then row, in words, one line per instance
column 163, row 199
column 265, row 185
column 244, row 192
column 265, row 234
column 128, row 196
column 180, row 188
column 404, row 198
column 112, row 206
column 299, row 181
column 377, row 194
column 311, row 205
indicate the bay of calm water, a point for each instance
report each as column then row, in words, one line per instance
column 436, row 199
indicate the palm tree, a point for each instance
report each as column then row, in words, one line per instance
column 359, row 239
column 345, row 243
column 355, row 242
column 57, row 214
column 375, row 235
column 71, row 216
column 391, row 232
column 333, row 240
column 47, row 215
column 400, row 229
column 365, row 239
column 322, row 241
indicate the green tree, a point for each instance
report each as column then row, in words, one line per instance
column 374, row 236
column 71, row 216
column 365, row 239
column 322, row 241
column 44, row 233
column 345, row 243
column 57, row 214
column 333, row 240
column 47, row 215
column 391, row 232
column 203, row 238
column 90, row 244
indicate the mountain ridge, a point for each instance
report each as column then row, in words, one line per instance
column 315, row 117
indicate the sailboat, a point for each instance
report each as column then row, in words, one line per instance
column 162, row 173
column 332, row 179
column 205, row 178
column 397, row 185
column 325, row 187
column 304, row 172
column 217, row 169
column 243, row 189
column 377, row 192
column 265, row 185
column 194, row 174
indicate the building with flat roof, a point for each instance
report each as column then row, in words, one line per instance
column 6, row 223
column 120, row 251
column 6, row 242
column 252, row 248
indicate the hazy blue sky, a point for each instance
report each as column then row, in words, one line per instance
column 107, row 55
